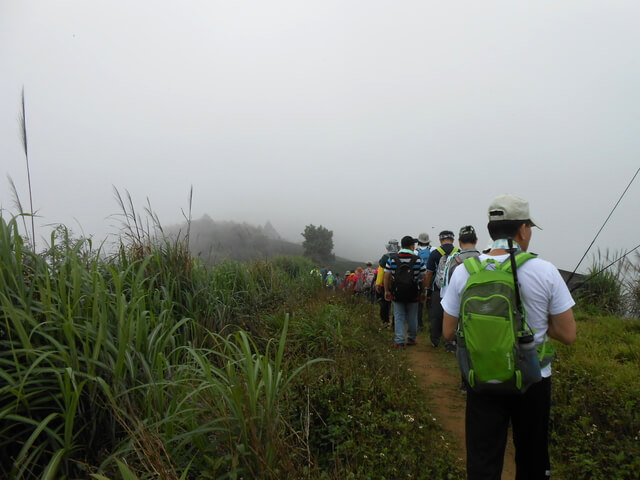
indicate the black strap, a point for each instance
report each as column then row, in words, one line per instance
column 514, row 269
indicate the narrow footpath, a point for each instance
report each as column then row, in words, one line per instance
column 436, row 372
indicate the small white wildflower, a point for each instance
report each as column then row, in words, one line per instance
column 381, row 454
column 365, row 456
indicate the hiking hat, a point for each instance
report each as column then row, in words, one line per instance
column 368, row 264
column 423, row 238
column 407, row 241
column 443, row 235
column 467, row 230
column 510, row 207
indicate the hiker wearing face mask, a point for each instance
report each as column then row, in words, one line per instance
column 435, row 270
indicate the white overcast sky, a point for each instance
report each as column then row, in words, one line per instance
column 376, row 119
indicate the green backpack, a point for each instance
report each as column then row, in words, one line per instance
column 495, row 348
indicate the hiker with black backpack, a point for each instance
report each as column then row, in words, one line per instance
column 503, row 307
column 435, row 271
column 404, row 285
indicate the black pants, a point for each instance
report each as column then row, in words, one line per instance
column 385, row 308
column 487, row 423
column 435, row 317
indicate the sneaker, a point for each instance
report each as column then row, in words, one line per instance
column 450, row 348
column 463, row 388
column 398, row 346
column 434, row 344
column 411, row 343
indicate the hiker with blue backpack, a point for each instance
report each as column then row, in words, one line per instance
column 503, row 307
column 404, row 286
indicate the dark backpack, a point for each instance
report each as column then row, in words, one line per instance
column 404, row 288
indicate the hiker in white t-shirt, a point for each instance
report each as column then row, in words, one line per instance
column 548, row 305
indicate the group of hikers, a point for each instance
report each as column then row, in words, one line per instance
column 495, row 309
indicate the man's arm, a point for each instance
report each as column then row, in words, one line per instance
column 449, row 324
column 387, row 286
column 428, row 279
column 562, row 327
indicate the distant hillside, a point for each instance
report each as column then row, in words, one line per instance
column 216, row 241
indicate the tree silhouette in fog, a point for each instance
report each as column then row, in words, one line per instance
column 318, row 244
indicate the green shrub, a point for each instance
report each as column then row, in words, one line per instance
column 602, row 292
column 596, row 414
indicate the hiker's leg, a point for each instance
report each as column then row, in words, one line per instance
column 412, row 320
column 531, row 432
column 420, row 314
column 435, row 318
column 399, row 315
column 385, row 306
column 487, row 424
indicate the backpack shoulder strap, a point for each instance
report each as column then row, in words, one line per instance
column 441, row 250
column 455, row 249
column 473, row 265
column 521, row 257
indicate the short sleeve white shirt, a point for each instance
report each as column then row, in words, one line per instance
column 542, row 288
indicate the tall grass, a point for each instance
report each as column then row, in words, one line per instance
column 100, row 357
column 610, row 286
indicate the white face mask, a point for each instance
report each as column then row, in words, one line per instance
column 421, row 247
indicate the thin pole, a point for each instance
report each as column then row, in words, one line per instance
column 578, row 285
column 605, row 222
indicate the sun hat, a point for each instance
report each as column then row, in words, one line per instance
column 423, row 238
column 510, row 207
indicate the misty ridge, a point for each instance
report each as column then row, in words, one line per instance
column 216, row 241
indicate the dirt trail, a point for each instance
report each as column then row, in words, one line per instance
column 441, row 383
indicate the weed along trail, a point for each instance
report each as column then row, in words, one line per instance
column 437, row 373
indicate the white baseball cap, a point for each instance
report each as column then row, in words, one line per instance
column 510, row 207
